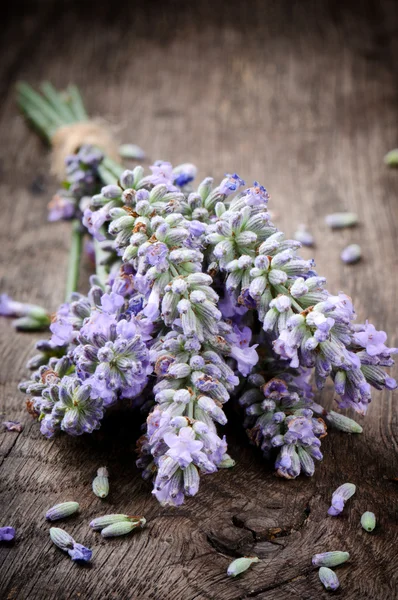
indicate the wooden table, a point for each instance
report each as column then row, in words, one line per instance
column 303, row 97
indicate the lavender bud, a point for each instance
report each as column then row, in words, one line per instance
column 328, row 578
column 339, row 498
column 101, row 483
column 7, row 534
column 227, row 462
column 330, row 559
column 240, row 565
column 304, row 236
column 123, row 527
column 391, row 158
column 343, row 423
column 368, row 521
column 61, row 538
column 131, row 151
column 13, row 425
column 111, row 192
column 351, row 254
column 101, row 522
column 340, row 220
column 60, row 511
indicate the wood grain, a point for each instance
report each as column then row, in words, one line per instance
column 300, row 95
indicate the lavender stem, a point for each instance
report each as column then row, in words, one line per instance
column 74, row 259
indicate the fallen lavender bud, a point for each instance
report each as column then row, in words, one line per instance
column 65, row 542
column 239, row 565
column 123, row 527
column 328, row 578
column 341, row 219
column 227, row 462
column 131, row 151
column 60, row 511
column 339, row 498
column 30, row 316
column 7, row 534
column 13, row 426
column 330, row 559
column 351, row 254
column 303, row 236
column 391, row 158
column 101, row 522
column 343, row 423
column 101, row 483
column 368, row 521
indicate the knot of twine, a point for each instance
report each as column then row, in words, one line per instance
column 69, row 138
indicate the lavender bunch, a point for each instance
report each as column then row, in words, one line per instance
column 200, row 293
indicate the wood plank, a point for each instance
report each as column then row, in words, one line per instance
column 301, row 96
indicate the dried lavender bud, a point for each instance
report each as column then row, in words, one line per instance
column 61, row 538
column 131, row 151
column 391, row 158
column 123, row 527
column 328, row 578
column 227, row 462
column 368, row 521
column 65, row 542
column 7, row 534
column 343, row 423
column 239, row 565
column 341, row 220
column 101, row 483
column 60, row 511
column 330, row 559
column 101, row 522
column 13, row 426
column 339, row 498
column 351, row 254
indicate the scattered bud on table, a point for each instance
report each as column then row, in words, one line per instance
column 351, row 254
column 328, row 578
column 341, row 220
column 131, row 152
column 304, row 236
column 101, row 522
column 368, row 521
column 240, row 565
column 123, row 527
column 60, row 511
column 13, row 426
column 343, row 423
column 31, row 316
column 330, row 559
column 339, row 498
column 65, row 542
column 7, row 534
column 391, row 158
column 101, row 483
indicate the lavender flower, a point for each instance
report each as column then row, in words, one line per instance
column 328, row 578
column 340, row 497
column 7, row 534
column 65, row 542
column 60, row 511
column 330, row 559
column 351, row 254
column 101, row 483
column 13, row 426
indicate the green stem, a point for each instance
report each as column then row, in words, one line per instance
column 76, row 103
column 100, row 268
column 74, row 259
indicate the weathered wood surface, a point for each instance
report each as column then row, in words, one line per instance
column 299, row 95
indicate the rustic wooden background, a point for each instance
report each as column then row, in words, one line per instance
column 300, row 95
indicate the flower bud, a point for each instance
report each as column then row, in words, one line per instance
column 131, row 152
column 330, row 559
column 328, row 578
column 391, row 158
column 111, row 192
column 351, row 254
column 102, row 522
column 368, row 521
column 240, row 565
column 61, row 538
column 123, row 527
column 343, row 423
column 60, row 511
column 7, row 534
column 205, row 187
column 101, row 483
column 340, row 220
column 227, row 462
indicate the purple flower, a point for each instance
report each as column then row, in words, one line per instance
column 183, row 447
column 94, row 220
column 339, row 498
column 156, row 254
column 162, row 173
column 231, row 184
column 245, row 357
column 62, row 332
column 256, row 195
column 13, row 426
column 80, row 553
column 61, row 207
column 7, row 534
column 111, row 302
column 372, row 340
